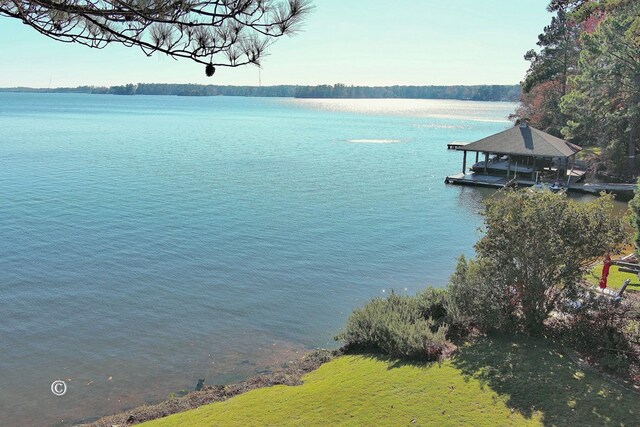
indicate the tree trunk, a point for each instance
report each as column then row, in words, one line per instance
column 634, row 117
column 633, row 137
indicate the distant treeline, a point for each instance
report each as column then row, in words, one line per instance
column 474, row 93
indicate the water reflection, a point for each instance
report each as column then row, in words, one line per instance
column 489, row 112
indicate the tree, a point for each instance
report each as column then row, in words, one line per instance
column 536, row 248
column 550, row 68
column 541, row 106
column 605, row 102
column 226, row 33
column 559, row 49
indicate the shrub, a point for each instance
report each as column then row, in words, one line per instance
column 432, row 303
column 476, row 297
column 396, row 326
column 603, row 328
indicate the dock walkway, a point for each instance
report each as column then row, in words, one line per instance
column 623, row 191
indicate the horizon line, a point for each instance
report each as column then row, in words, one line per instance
column 256, row 86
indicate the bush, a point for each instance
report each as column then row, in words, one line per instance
column 476, row 298
column 432, row 303
column 603, row 328
column 397, row 326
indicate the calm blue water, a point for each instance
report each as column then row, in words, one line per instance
column 147, row 242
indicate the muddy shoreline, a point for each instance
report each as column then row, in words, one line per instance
column 291, row 374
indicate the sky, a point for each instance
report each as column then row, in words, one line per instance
column 354, row 42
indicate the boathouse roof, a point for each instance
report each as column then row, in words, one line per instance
column 523, row 140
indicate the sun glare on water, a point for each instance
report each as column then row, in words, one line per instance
column 418, row 108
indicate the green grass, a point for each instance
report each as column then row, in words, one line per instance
column 498, row 381
column 588, row 153
column 615, row 278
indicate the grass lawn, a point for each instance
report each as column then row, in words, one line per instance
column 615, row 278
column 499, row 381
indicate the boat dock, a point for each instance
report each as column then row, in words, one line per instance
column 523, row 156
column 621, row 190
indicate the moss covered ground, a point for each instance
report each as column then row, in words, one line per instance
column 497, row 381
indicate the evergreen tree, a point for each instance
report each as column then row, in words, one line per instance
column 546, row 80
column 604, row 104
column 211, row 32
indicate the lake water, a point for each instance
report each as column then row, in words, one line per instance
column 147, row 242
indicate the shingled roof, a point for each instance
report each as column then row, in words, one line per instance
column 524, row 141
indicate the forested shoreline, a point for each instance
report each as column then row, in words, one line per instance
column 583, row 83
column 458, row 92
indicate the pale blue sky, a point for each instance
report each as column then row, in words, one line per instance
column 359, row 42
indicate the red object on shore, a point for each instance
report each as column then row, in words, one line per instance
column 605, row 271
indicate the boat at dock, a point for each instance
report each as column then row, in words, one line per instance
column 543, row 186
column 501, row 167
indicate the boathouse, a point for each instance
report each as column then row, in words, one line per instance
column 522, row 155
column 521, row 152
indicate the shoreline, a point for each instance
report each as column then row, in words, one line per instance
column 290, row 375
column 485, row 368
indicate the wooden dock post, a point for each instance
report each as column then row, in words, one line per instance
column 464, row 162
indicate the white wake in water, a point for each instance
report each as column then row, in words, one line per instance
column 375, row 141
